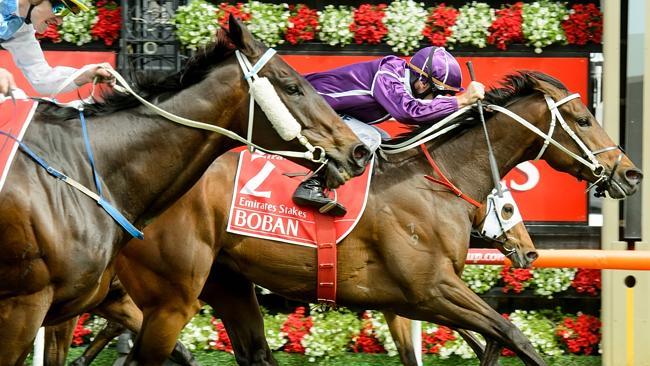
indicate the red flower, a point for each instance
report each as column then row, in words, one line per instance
column 368, row 25
column 296, row 327
column 438, row 25
column 225, row 9
column 506, row 352
column 109, row 22
column 580, row 334
column 303, row 23
column 506, row 28
column 222, row 343
column 80, row 334
column 431, row 343
column 515, row 279
column 51, row 33
column 587, row 280
column 367, row 341
column 585, row 24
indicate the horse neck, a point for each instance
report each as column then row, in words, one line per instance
column 166, row 158
column 465, row 158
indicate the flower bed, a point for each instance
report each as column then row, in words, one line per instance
column 322, row 335
column 102, row 22
column 404, row 25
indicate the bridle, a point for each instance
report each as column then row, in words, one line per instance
column 588, row 157
column 262, row 92
column 493, row 226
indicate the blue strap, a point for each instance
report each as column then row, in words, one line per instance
column 89, row 151
column 55, row 173
column 116, row 215
column 260, row 63
column 112, row 211
column 120, row 219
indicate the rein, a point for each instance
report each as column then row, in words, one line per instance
column 590, row 161
column 495, row 228
column 444, row 181
column 261, row 91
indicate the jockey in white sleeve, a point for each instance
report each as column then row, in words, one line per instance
column 19, row 22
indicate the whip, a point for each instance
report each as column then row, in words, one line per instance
column 493, row 161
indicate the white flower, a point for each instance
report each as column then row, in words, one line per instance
column 405, row 20
column 481, row 278
column 268, row 21
column 542, row 23
column 199, row 333
column 330, row 334
column 76, row 27
column 472, row 25
column 539, row 330
column 196, row 24
column 547, row 281
column 335, row 25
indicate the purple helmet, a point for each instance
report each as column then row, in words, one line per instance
column 438, row 67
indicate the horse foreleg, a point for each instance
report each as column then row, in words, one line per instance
column 157, row 338
column 491, row 355
column 234, row 301
column 474, row 343
column 20, row 318
column 456, row 305
column 57, row 342
column 400, row 330
column 103, row 338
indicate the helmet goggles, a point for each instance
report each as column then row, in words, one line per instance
column 62, row 8
column 428, row 64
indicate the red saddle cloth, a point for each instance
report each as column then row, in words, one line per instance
column 262, row 206
column 14, row 119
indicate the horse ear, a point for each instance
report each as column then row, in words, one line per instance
column 242, row 38
column 546, row 88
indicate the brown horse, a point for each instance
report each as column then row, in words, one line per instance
column 406, row 250
column 58, row 246
column 515, row 243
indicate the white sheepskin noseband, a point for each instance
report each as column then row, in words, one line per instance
column 276, row 111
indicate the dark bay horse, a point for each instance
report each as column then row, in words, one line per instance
column 515, row 243
column 406, row 250
column 58, row 246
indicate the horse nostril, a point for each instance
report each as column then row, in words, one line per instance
column 361, row 154
column 633, row 176
column 532, row 255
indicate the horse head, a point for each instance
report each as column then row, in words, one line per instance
column 306, row 118
column 498, row 220
column 583, row 148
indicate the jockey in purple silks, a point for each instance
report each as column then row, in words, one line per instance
column 424, row 90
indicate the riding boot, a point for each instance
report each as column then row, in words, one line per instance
column 310, row 193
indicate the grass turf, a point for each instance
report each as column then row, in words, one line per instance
column 109, row 355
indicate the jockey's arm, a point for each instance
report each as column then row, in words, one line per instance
column 29, row 57
column 390, row 92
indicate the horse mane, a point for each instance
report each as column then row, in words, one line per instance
column 511, row 87
column 155, row 84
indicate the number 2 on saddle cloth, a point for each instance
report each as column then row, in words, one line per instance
column 262, row 207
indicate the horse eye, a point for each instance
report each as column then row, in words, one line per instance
column 507, row 211
column 583, row 122
column 292, row 89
